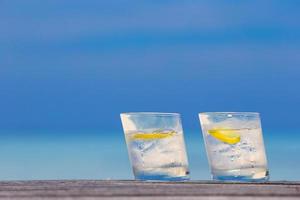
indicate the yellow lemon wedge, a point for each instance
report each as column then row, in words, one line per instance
column 229, row 136
column 153, row 136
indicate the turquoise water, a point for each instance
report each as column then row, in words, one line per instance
column 103, row 155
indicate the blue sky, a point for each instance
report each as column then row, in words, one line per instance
column 76, row 65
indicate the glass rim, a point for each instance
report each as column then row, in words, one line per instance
column 151, row 114
column 231, row 113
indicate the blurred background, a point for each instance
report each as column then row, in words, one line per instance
column 69, row 68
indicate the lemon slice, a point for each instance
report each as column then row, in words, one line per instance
column 153, row 136
column 229, row 136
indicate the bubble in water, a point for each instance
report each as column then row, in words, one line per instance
column 225, row 149
column 252, row 149
column 232, row 157
column 140, row 146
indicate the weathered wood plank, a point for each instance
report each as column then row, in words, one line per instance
column 90, row 189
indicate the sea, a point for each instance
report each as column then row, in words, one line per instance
column 98, row 154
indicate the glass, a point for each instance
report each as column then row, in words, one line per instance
column 156, row 146
column 234, row 146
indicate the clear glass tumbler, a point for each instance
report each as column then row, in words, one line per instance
column 156, row 146
column 234, row 146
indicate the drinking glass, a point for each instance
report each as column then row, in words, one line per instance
column 156, row 146
column 234, row 146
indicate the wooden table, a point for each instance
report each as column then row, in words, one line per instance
column 102, row 189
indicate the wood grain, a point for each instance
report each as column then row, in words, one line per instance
column 102, row 189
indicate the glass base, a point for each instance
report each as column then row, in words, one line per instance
column 242, row 175
column 153, row 177
column 162, row 174
column 239, row 179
